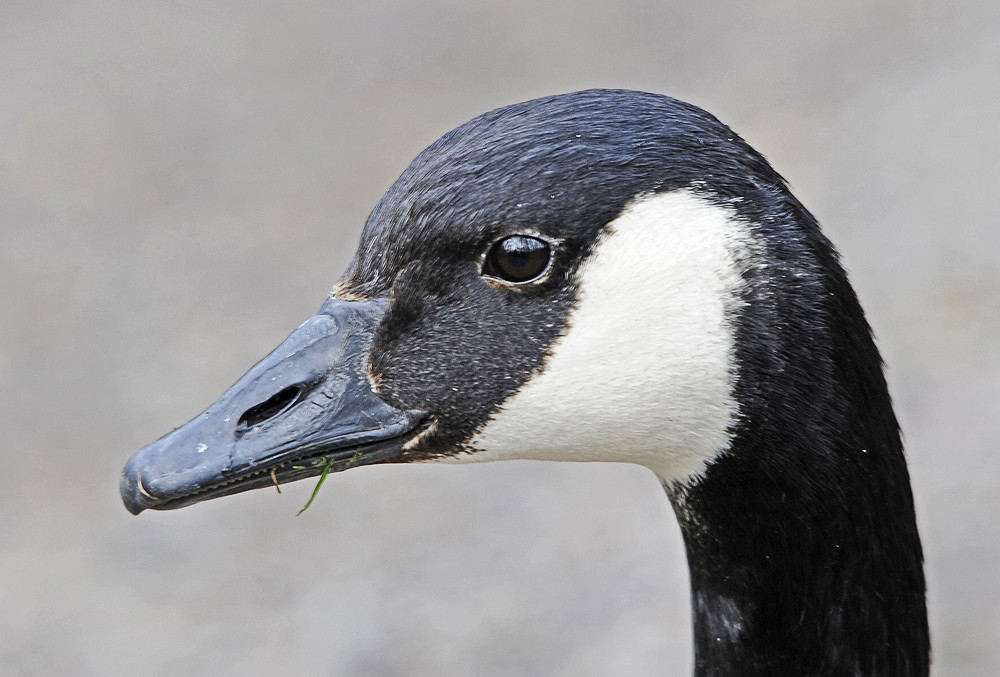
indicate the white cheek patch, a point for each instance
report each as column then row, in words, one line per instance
column 645, row 369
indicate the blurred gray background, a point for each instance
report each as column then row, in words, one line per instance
column 180, row 184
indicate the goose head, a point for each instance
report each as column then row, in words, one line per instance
column 609, row 276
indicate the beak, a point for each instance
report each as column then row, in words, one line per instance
column 306, row 408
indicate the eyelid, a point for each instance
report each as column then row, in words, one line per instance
column 555, row 243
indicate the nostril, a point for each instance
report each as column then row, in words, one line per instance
column 270, row 407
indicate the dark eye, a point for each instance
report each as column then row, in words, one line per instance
column 517, row 258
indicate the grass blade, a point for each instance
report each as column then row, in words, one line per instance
column 322, row 478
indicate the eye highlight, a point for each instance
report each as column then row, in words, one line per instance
column 517, row 258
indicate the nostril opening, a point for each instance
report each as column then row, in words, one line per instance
column 270, row 407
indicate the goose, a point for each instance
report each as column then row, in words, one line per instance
column 609, row 275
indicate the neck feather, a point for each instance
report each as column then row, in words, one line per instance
column 791, row 577
column 801, row 536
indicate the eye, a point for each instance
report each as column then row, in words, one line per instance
column 518, row 258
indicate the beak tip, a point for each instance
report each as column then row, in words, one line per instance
column 129, row 486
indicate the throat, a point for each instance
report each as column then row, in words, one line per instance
column 797, row 577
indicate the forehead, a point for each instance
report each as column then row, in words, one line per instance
column 563, row 166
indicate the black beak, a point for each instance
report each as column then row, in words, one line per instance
column 306, row 408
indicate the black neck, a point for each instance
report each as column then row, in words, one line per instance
column 801, row 538
column 803, row 579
